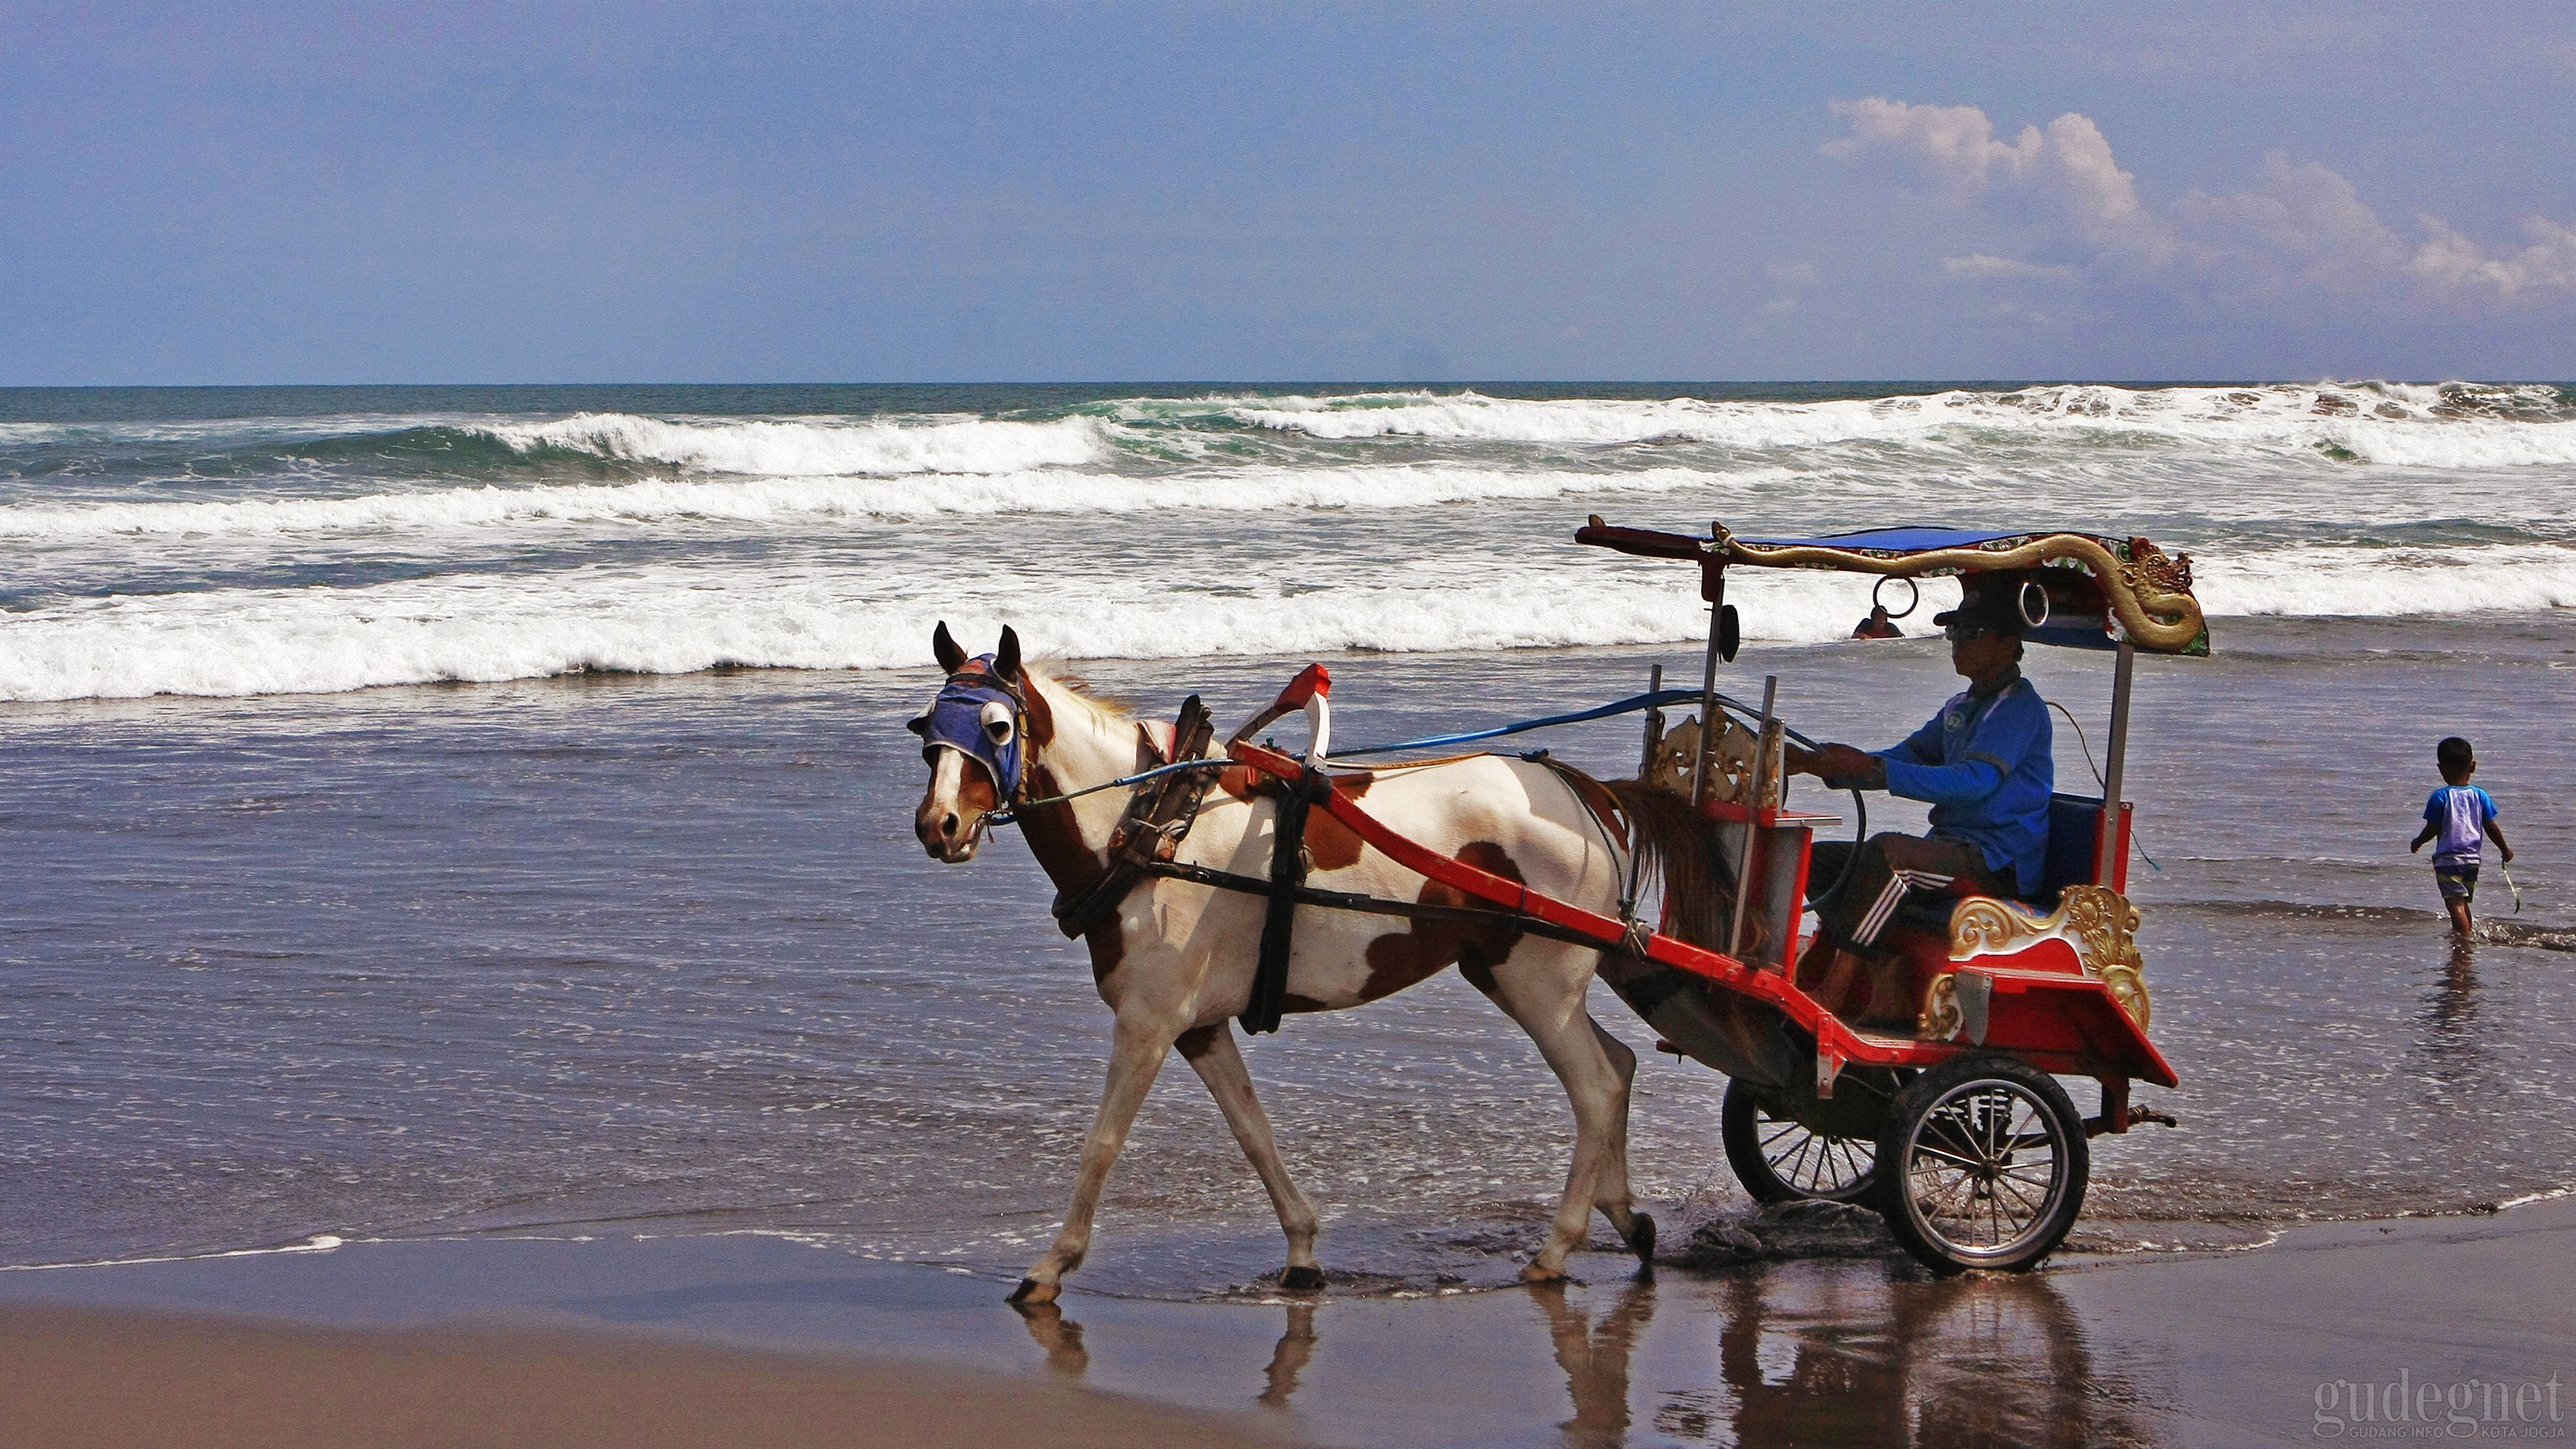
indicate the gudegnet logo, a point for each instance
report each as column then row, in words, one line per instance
column 2401, row 1408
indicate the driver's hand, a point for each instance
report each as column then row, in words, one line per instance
column 1831, row 762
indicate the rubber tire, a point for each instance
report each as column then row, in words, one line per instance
column 1904, row 1117
column 1739, row 1129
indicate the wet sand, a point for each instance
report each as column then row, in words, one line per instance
column 112, row 1379
column 760, row 1340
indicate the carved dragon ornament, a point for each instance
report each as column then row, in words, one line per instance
column 2149, row 591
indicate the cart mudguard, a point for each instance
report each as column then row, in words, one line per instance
column 2054, row 1015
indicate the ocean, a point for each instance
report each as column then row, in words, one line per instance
column 439, row 811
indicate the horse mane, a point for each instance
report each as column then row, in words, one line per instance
column 1105, row 710
column 1674, row 846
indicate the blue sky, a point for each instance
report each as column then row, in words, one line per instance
column 1094, row 192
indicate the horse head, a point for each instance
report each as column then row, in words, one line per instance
column 974, row 738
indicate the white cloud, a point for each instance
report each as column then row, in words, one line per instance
column 1791, row 274
column 1956, row 144
column 2305, row 225
column 1980, row 265
column 2070, row 161
column 2451, row 261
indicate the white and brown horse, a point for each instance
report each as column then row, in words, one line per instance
column 1175, row 962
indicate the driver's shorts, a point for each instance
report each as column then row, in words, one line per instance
column 2458, row 882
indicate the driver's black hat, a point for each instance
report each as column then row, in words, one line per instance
column 1995, row 609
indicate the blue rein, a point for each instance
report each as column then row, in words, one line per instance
column 1630, row 705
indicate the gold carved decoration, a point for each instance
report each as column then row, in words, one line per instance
column 2098, row 922
column 2149, row 592
column 1940, row 1020
column 1730, row 763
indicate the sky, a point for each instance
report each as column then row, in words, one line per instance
column 1071, row 192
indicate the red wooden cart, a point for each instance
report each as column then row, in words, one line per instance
column 1953, row 1124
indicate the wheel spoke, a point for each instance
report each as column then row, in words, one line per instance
column 1968, row 1164
column 2004, row 1185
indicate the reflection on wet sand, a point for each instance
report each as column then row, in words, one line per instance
column 2454, row 1047
column 1595, row 1360
column 1296, row 1346
column 1060, row 1337
column 1969, row 1360
column 1841, row 1354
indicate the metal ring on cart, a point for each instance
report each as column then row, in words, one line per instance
column 1914, row 595
column 2033, row 603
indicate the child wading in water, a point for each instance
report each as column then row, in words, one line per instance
column 2462, row 815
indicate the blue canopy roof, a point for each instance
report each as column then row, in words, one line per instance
column 1901, row 540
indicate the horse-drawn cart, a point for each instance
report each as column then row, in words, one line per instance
column 1950, row 1119
column 2012, row 993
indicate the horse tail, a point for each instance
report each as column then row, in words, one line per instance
column 1675, row 848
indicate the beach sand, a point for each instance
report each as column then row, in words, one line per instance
column 113, row 1379
column 756, row 1340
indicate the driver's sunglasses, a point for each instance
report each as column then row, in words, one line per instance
column 1964, row 633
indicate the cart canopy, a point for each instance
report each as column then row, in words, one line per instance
column 2102, row 590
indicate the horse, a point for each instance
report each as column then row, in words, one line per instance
column 1175, row 961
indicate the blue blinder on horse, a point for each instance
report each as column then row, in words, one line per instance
column 978, row 716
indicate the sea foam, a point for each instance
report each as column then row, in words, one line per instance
column 820, row 447
column 2368, row 424
column 767, row 500
column 668, row 619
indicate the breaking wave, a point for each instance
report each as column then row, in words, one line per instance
column 819, row 448
column 671, row 619
column 336, row 550
column 777, row 499
column 2455, row 427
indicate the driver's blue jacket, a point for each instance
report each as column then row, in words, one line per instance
column 1984, row 764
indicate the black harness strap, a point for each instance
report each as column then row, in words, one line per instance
column 1287, row 878
column 1377, row 906
column 1159, row 815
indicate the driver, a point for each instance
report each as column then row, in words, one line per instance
column 1982, row 762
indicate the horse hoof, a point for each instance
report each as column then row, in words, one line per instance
column 1536, row 1274
column 1641, row 1236
column 1032, row 1293
column 1302, row 1279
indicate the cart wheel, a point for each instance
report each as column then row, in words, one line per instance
column 1993, row 1165
column 1778, row 1160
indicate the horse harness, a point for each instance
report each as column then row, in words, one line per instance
column 1160, row 812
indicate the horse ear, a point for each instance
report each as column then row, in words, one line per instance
column 1007, row 662
column 945, row 649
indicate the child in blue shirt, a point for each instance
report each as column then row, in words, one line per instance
column 2462, row 816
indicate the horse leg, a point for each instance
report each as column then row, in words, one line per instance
column 1135, row 1056
column 1211, row 1051
column 1610, row 1182
column 1545, row 995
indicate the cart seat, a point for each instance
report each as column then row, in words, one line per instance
column 2075, row 847
column 2074, row 844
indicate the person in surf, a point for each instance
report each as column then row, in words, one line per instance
column 2463, row 817
column 1877, row 625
